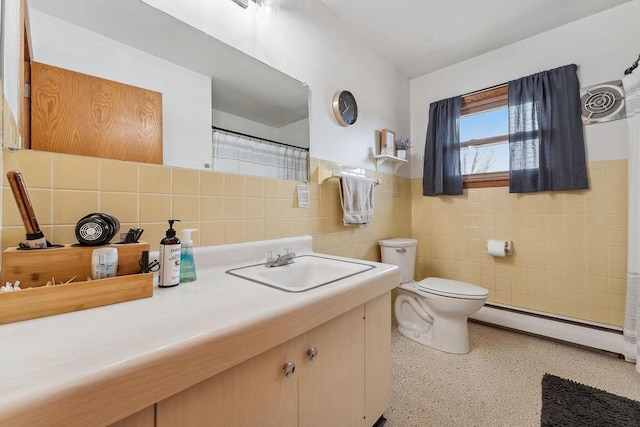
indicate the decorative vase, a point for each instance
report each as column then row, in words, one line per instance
column 401, row 154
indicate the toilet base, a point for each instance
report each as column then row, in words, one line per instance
column 424, row 339
column 434, row 321
column 459, row 345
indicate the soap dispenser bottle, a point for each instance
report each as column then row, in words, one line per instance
column 187, row 266
column 169, row 274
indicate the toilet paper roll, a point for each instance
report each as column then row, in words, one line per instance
column 498, row 247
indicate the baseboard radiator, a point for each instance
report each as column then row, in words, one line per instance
column 588, row 334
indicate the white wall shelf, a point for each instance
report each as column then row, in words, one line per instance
column 397, row 161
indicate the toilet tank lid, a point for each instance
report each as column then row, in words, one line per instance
column 447, row 287
column 398, row 243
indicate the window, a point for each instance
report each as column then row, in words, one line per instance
column 484, row 139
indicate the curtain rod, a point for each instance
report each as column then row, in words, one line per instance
column 256, row 137
column 633, row 66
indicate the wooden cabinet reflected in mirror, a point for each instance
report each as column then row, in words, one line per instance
column 75, row 113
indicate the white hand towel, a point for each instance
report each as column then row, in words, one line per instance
column 356, row 197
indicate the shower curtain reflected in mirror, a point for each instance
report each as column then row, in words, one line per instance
column 245, row 155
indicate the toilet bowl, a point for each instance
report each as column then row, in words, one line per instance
column 434, row 311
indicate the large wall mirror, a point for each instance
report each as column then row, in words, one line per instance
column 218, row 104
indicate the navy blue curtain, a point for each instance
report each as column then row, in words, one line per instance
column 546, row 141
column 441, row 173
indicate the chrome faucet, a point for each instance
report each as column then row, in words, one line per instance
column 276, row 260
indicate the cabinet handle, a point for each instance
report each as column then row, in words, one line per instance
column 289, row 369
column 312, row 353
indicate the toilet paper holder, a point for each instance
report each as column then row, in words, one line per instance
column 500, row 248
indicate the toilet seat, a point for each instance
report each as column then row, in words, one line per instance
column 450, row 289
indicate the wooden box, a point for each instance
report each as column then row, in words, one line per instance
column 49, row 300
column 34, row 268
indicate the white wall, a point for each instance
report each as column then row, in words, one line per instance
column 308, row 42
column 232, row 122
column 11, row 54
column 186, row 106
column 602, row 45
column 294, row 134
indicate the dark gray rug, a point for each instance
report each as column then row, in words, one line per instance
column 568, row 403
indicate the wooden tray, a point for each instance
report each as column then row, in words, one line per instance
column 49, row 300
column 35, row 267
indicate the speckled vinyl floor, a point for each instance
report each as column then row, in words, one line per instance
column 497, row 383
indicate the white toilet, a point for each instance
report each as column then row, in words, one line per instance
column 432, row 312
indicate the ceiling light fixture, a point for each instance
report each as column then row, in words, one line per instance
column 242, row 3
column 267, row 8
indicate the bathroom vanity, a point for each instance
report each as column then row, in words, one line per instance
column 217, row 351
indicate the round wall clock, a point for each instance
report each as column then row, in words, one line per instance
column 345, row 108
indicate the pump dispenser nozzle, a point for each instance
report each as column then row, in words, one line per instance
column 171, row 232
column 186, row 236
column 187, row 265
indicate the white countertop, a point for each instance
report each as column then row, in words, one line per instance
column 96, row 366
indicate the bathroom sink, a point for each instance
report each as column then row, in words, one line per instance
column 306, row 272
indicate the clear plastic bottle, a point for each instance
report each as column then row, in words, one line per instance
column 187, row 265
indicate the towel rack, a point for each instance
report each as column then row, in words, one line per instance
column 324, row 174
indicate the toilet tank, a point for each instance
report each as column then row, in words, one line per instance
column 400, row 252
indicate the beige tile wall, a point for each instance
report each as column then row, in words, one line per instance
column 570, row 249
column 225, row 208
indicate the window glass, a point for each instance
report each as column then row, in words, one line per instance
column 485, row 159
column 484, row 124
column 484, row 142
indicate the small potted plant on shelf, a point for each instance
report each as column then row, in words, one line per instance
column 402, row 144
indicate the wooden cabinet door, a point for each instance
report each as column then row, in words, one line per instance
column 76, row 113
column 254, row 393
column 377, row 357
column 348, row 383
column 332, row 385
